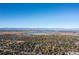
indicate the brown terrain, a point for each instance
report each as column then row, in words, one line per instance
column 54, row 43
column 11, row 33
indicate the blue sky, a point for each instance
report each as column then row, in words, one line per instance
column 39, row 15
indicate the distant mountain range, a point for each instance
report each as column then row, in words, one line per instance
column 39, row 29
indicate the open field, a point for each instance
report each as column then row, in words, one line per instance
column 24, row 44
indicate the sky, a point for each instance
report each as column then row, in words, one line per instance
column 39, row 15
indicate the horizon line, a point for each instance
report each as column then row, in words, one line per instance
column 38, row 27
